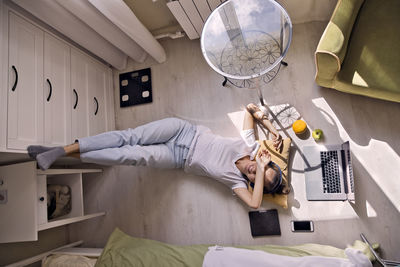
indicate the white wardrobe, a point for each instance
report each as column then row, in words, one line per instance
column 51, row 92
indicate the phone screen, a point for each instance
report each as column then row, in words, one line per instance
column 302, row 225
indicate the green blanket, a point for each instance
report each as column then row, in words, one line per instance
column 123, row 250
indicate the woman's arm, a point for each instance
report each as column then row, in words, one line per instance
column 260, row 116
column 254, row 199
column 277, row 138
column 247, row 133
column 268, row 125
column 248, row 122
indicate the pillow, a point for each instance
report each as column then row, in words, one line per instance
column 123, row 250
column 281, row 158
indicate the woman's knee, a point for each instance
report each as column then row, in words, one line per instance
column 122, row 137
column 175, row 123
column 174, row 120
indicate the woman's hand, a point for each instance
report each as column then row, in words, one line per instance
column 277, row 142
column 256, row 112
column 263, row 159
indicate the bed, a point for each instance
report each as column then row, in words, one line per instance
column 124, row 250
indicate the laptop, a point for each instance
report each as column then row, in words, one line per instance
column 328, row 172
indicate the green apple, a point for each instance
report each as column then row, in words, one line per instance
column 317, row 134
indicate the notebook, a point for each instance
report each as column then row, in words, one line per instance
column 264, row 223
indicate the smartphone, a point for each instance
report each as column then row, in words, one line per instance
column 302, row 226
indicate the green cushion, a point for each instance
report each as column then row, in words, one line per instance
column 373, row 57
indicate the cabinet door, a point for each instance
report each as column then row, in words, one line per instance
column 97, row 85
column 19, row 203
column 79, row 90
column 25, row 84
column 57, row 94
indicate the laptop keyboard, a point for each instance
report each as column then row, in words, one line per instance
column 330, row 172
column 350, row 171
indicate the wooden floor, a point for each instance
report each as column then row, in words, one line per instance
column 174, row 207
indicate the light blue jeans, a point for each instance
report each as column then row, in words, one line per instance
column 160, row 144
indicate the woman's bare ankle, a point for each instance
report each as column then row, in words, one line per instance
column 72, row 148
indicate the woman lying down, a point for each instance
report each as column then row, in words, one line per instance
column 175, row 143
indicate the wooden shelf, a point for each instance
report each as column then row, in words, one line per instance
column 67, row 171
column 26, row 206
column 57, row 223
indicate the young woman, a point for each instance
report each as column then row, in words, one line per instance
column 175, row 143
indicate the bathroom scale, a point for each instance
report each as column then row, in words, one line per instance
column 135, row 88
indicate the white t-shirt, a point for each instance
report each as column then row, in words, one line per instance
column 215, row 156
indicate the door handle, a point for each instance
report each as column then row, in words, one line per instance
column 76, row 99
column 97, row 106
column 51, row 90
column 16, row 78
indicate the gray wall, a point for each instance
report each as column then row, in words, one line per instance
column 301, row 11
column 158, row 19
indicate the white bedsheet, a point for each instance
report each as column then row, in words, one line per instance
column 236, row 257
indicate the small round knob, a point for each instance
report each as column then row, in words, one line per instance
column 41, row 198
